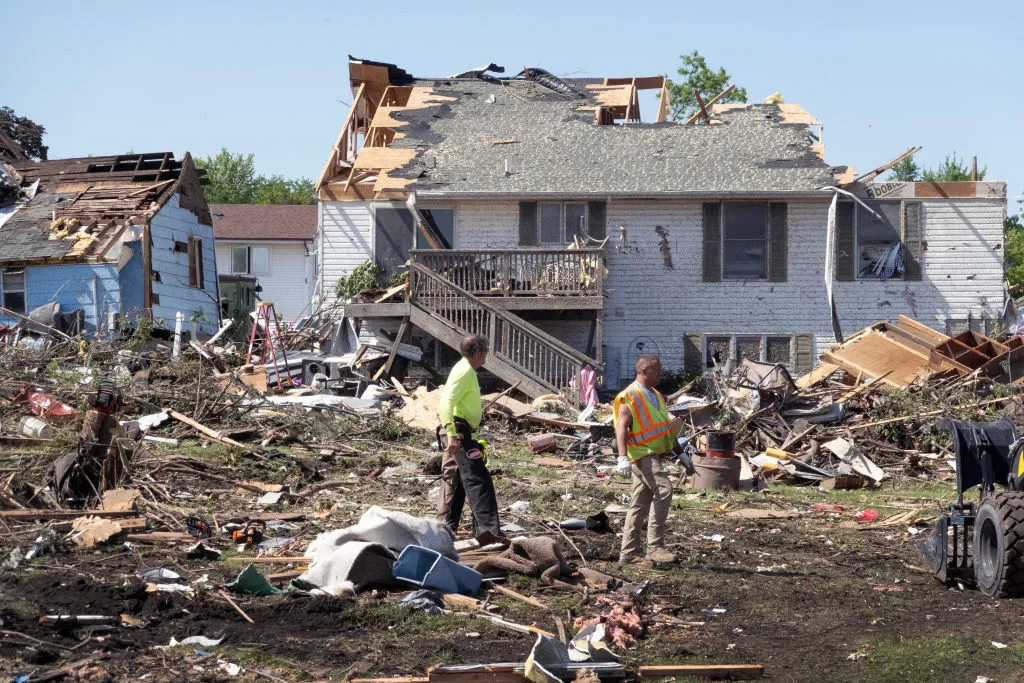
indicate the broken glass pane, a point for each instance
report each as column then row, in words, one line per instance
column 777, row 350
column 878, row 241
column 719, row 350
column 749, row 348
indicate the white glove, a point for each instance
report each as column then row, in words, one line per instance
column 625, row 468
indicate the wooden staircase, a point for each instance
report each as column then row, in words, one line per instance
column 520, row 352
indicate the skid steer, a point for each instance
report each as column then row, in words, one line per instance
column 983, row 543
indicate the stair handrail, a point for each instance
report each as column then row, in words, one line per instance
column 504, row 316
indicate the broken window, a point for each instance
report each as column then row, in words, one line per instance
column 250, row 260
column 879, row 249
column 745, row 240
column 13, row 284
column 718, row 351
column 749, row 348
column 777, row 350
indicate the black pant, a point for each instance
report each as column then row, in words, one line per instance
column 469, row 479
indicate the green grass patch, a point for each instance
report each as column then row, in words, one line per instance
column 937, row 659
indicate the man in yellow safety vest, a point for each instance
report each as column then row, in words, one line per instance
column 645, row 439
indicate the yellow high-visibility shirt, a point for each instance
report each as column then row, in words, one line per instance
column 461, row 398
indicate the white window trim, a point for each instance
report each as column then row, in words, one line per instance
column 248, row 260
column 23, row 290
column 856, row 241
column 767, row 244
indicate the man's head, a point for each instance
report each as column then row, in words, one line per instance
column 648, row 370
column 474, row 349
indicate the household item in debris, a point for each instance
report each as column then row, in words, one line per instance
column 426, row 567
column 979, row 542
column 721, row 444
column 716, row 473
column 35, row 428
column 265, row 316
column 541, row 443
column 251, row 534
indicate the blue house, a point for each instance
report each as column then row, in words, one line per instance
column 118, row 237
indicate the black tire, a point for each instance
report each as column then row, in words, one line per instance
column 999, row 545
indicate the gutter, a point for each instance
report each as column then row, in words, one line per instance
column 797, row 194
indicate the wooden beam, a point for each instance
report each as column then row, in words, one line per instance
column 870, row 175
column 403, row 329
column 703, row 109
column 206, row 431
column 733, row 671
column 714, row 99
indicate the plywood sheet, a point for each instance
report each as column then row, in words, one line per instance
column 925, row 190
column 873, row 355
column 816, row 375
column 383, row 157
column 612, row 95
column 794, row 113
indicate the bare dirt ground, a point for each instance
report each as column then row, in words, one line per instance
column 806, row 597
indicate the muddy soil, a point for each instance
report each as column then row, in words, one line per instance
column 806, row 598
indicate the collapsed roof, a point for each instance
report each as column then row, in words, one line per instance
column 537, row 133
column 71, row 210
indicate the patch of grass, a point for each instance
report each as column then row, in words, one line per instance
column 937, row 659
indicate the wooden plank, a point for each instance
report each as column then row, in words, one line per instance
column 734, row 671
column 403, row 329
column 946, row 190
column 206, row 431
column 32, row 515
column 376, row 310
column 703, row 108
column 384, row 158
column 816, row 375
column 697, row 115
column 159, row 537
column 863, row 178
column 519, row 596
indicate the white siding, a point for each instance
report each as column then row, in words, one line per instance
column 171, row 224
column 289, row 284
column 647, row 300
column 346, row 231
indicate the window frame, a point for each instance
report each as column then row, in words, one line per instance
column 23, row 291
column 734, row 347
column 900, row 236
column 563, row 228
column 767, row 244
column 249, row 261
column 454, row 208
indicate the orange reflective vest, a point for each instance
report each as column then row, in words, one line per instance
column 651, row 431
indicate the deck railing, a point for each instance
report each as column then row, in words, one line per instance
column 544, row 358
column 518, row 272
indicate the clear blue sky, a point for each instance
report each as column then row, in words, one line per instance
column 271, row 77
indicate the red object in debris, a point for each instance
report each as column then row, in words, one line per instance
column 49, row 407
column 827, row 507
column 868, row 515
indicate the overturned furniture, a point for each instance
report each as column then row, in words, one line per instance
column 983, row 544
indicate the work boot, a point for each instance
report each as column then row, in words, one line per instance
column 635, row 559
column 661, row 556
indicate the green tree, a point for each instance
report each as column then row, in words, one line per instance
column 696, row 74
column 26, row 132
column 1014, row 259
column 232, row 178
column 906, row 171
column 279, row 190
column 950, row 170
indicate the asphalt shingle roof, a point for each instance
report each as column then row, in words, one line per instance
column 264, row 221
column 559, row 149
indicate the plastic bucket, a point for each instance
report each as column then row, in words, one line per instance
column 429, row 568
column 35, row 428
column 716, row 473
column 721, row 444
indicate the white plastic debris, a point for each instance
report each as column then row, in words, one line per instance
column 201, row 641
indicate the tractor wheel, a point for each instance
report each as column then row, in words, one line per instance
column 999, row 545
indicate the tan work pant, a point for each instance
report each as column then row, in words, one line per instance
column 651, row 499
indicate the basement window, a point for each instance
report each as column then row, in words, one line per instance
column 768, row 348
column 744, row 240
column 879, row 247
column 13, row 287
column 250, row 260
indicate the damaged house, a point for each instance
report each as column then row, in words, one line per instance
column 116, row 237
column 545, row 213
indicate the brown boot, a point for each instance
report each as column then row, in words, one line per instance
column 660, row 556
